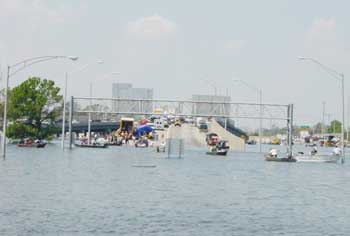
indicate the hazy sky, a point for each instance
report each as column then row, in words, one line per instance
column 174, row 46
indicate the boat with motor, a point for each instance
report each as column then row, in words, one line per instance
column 314, row 156
column 280, row 159
column 216, row 147
column 141, row 143
column 273, row 155
column 332, row 158
column 94, row 144
column 29, row 143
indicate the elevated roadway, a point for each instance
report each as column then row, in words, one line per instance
column 193, row 137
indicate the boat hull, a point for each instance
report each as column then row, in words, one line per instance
column 278, row 159
column 141, row 145
column 318, row 158
column 218, row 153
column 91, row 145
column 33, row 145
column 115, row 144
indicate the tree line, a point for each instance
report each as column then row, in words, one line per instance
column 34, row 107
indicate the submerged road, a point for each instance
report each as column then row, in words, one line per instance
column 193, row 137
column 189, row 133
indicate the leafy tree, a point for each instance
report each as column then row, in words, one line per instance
column 2, row 103
column 21, row 130
column 31, row 103
column 335, row 127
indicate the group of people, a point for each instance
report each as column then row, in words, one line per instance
column 125, row 136
column 336, row 151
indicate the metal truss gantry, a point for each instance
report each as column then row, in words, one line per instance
column 186, row 108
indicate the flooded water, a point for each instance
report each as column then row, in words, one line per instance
column 101, row 192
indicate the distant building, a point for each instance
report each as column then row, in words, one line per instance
column 126, row 91
column 206, row 105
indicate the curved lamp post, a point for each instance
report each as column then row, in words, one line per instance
column 17, row 68
column 259, row 91
column 65, row 98
column 340, row 78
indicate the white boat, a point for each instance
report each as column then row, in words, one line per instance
column 330, row 158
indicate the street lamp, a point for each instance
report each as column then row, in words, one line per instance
column 323, row 122
column 89, row 119
column 259, row 91
column 65, row 98
column 17, row 68
column 340, row 78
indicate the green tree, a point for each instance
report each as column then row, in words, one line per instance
column 334, row 127
column 2, row 100
column 31, row 103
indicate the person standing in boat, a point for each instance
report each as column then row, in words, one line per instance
column 336, row 150
column 273, row 152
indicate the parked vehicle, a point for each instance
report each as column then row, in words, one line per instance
column 126, row 124
column 203, row 128
column 200, row 121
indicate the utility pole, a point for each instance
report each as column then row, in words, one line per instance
column 323, row 115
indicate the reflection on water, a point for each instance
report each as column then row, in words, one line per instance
column 99, row 192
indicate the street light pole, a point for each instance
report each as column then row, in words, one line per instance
column 90, row 108
column 5, row 114
column 64, row 110
column 25, row 63
column 348, row 128
column 260, row 121
column 89, row 121
column 323, row 122
column 343, row 118
column 65, row 100
column 339, row 77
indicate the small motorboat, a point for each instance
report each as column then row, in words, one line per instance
column 280, row 159
column 216, row 147
column 95, row 143
column 141, row 143
column 272, row 155
column 29, row 143
column 331, row 158
column 92, row 145
column 35, row 145
column 217, row 152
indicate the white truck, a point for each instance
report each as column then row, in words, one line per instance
column 200, row 121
